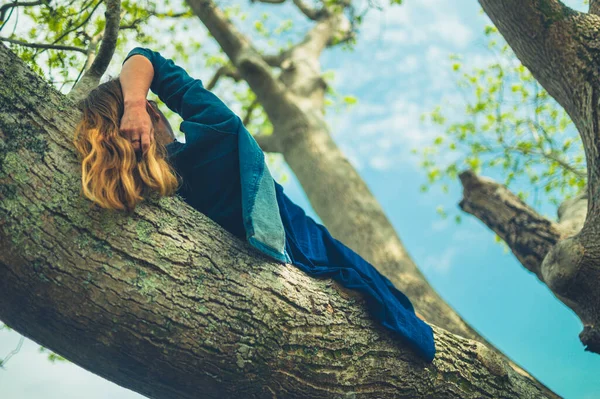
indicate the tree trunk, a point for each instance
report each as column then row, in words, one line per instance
column 166, row 303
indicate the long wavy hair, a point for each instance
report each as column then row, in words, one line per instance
column 113, row 175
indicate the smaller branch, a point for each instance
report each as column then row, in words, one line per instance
column 136, row 22
column 12, row 353
column 248, row 116
column 101, row 60
column 275, row 60
column 44, row 46
column 309, row 12
column 529, row 235
column 5, row 7
column 85, row 21
column 132, row 25
column 188, row 13
column 223, row 71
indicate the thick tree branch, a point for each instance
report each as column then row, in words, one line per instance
column 167, row 304
column 101, row 60
column 529, row 235
column 553, row 251
column 43, row 45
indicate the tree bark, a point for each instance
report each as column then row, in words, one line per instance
column 559, row 46
column 166, row 303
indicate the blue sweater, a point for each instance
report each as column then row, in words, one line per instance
column 225, row 177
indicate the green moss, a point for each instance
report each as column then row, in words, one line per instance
column 102, row 247
column 144, row 231
column 13, row 166
column 148, row 285
column 202, row 309
column 20, row 135
column 167, row 250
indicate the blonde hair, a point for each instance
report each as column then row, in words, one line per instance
column 112, row 174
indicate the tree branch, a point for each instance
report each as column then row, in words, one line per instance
column 223, row 71
column 554, row 252
column 44, row 46
column 166, row 303
column 529, row 235
column 92, row 75
column 245, row 58
column 248, row 116
column 309, row 12
column 275, row 60
column 5, row 7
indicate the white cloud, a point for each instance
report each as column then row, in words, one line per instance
column 440, row 224
column 419, row 23
column 381, row 163
column 453, row 31
column 408, row 64
column 442, row 262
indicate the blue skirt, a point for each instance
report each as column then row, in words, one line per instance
column 314, row 251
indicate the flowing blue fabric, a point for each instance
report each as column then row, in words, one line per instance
column 225, row 177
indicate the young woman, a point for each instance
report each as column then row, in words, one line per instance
column 128, row 150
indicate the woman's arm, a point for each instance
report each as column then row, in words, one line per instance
column 136, row 76
column 202, row 111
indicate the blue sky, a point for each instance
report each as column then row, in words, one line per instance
column 399, row 70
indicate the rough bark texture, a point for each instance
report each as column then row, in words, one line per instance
column 529, row 235
column 560, row 48
column 167, row 304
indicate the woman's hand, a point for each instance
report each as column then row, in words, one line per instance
column 136, row 125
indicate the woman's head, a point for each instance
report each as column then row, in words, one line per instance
column 114, row 175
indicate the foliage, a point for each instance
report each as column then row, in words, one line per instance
column 510, row 129
column 80, row 24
